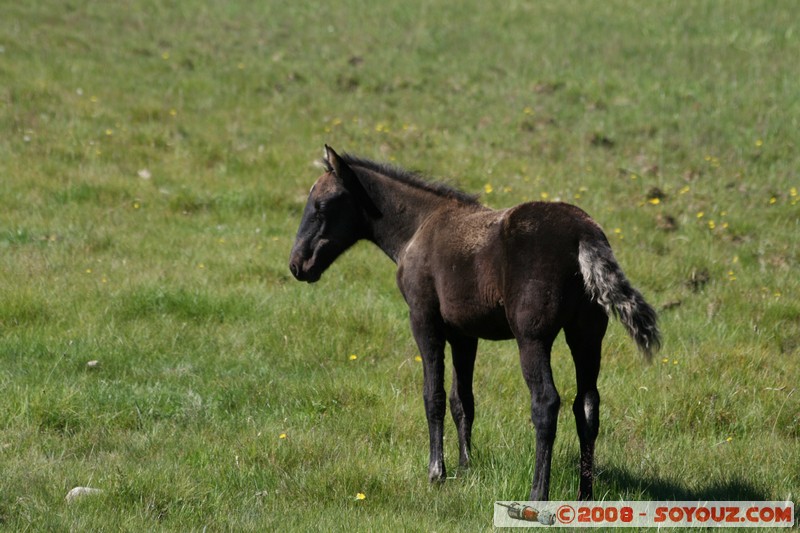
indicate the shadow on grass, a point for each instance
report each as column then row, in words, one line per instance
column 656, row 488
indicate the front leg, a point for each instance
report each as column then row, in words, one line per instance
column 428, row 331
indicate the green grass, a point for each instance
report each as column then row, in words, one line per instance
column 154, row 162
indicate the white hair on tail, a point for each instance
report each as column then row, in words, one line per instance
column 607, row 285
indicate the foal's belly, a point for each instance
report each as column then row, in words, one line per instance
column 472, row 321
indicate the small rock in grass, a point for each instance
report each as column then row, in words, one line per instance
column 79, row 492
column 93, row 364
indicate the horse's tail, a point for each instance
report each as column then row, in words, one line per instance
column 607, row 285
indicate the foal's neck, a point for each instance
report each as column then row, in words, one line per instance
column 404, row 208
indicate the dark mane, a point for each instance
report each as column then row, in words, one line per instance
column 408, row 177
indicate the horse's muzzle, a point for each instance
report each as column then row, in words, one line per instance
column 301, row 274
column 295, row 268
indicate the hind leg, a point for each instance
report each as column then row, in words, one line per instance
column 585, row 337
column 545, row 402
column 462, row 402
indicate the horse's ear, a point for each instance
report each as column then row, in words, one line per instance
column 325, row 160
column 349, row 179
column 334, row 162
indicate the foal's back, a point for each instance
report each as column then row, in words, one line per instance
column 475, row 262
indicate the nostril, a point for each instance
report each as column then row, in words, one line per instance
column 294, row 268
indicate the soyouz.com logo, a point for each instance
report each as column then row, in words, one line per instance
column 643, row 514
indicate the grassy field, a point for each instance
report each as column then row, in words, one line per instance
column 154, row 161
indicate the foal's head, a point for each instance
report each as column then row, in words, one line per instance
column 335, row 217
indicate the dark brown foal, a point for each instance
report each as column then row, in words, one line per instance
column 469, row 272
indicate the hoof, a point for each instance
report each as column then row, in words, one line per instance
column 464, row 460
column 436, row 474
column 537, row 497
